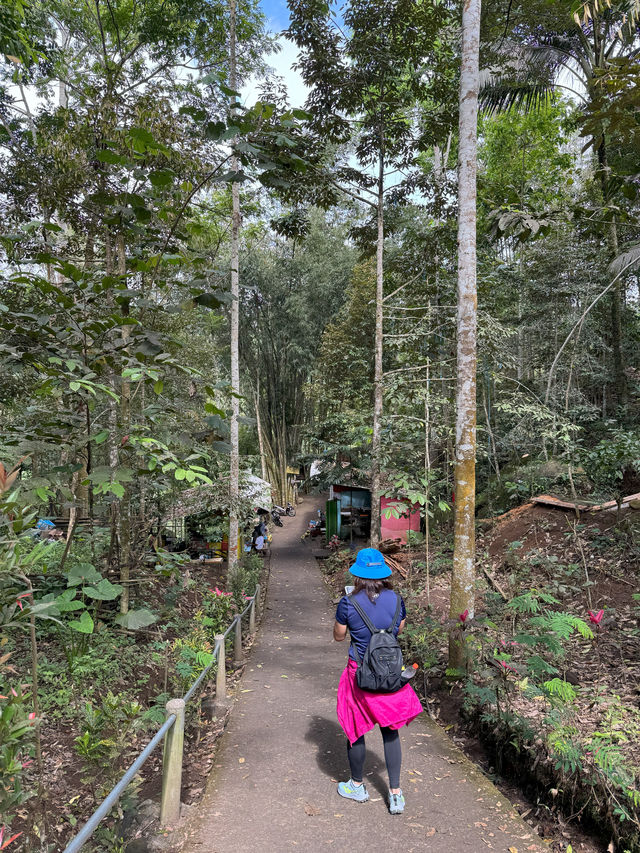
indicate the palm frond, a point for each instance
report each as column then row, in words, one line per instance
column 626, row 260
column 523, row 77
column 585, row 11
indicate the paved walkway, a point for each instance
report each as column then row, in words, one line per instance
column 273, row 787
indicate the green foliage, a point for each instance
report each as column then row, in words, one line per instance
column 16, row 745
column 244, row 579
column 421, row 643
column 557, row 688
column 219, row 608
column 108, row 732
column 611, row 458
column 191, row 654
column 136, row 619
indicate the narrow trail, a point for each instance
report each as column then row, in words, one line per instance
column 272, row 787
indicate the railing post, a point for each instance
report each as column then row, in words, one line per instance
column 172, row 765
column 237, row 642
column 252, row 617
column 221, row 676
column 257, row 600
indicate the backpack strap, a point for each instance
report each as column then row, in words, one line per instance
column 397, row 613
column 368, row 621
column 363, row 615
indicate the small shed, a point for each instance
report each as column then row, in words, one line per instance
column 398, row 528
column 349, row 506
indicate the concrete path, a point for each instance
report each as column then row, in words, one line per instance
column 273, row 787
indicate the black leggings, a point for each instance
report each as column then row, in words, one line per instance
column 357, row 752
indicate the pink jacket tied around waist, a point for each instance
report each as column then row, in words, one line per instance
column 359, row 711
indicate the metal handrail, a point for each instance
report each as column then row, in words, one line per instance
column 113, row 796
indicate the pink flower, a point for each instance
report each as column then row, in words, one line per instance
column 463, row 616
column 32, row 715
column 506, row 666
column 596, row 618
column 14, row 692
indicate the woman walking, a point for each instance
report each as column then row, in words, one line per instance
column 358, row 710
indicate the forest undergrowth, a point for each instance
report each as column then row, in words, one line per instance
column 550, row 696
column 102, row 693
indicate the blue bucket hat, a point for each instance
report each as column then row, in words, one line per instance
column 370, row 564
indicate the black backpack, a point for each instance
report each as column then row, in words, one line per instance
column 380, row 670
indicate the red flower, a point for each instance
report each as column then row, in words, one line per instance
column 463, row 616
column 32, row 715
column 596, row 618
column 6, row 843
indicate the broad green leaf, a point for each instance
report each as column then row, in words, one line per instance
column 111, row 157
column 135, row 619
column 83, row 625
column 67, row 603
column 117, row 489
column 83, row 573
column 161, row 178
column 104, row 591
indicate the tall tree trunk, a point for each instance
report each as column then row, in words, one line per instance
column 125, row 424
column 463, row 572
column 263, row 463
column 619, row 397
column 234, row 477
column 427, row 476
column 377, row 400
column 112, row 420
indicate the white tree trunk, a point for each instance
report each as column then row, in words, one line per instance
column 377, row 401
column 234, row 477
column 463, row 572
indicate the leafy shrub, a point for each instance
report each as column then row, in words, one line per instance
column 16, row 745
column 245, row 577
column 108, row 729
column 219, row 608
column 191, row 654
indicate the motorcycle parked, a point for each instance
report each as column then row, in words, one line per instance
column 275, row 517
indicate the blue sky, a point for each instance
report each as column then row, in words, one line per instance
column 277, row 16
column 276, row 12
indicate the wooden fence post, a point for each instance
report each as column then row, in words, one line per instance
column 252, row 617
column 257, row 600
column 172, row 765
column 237, row 643
column 221, row 676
